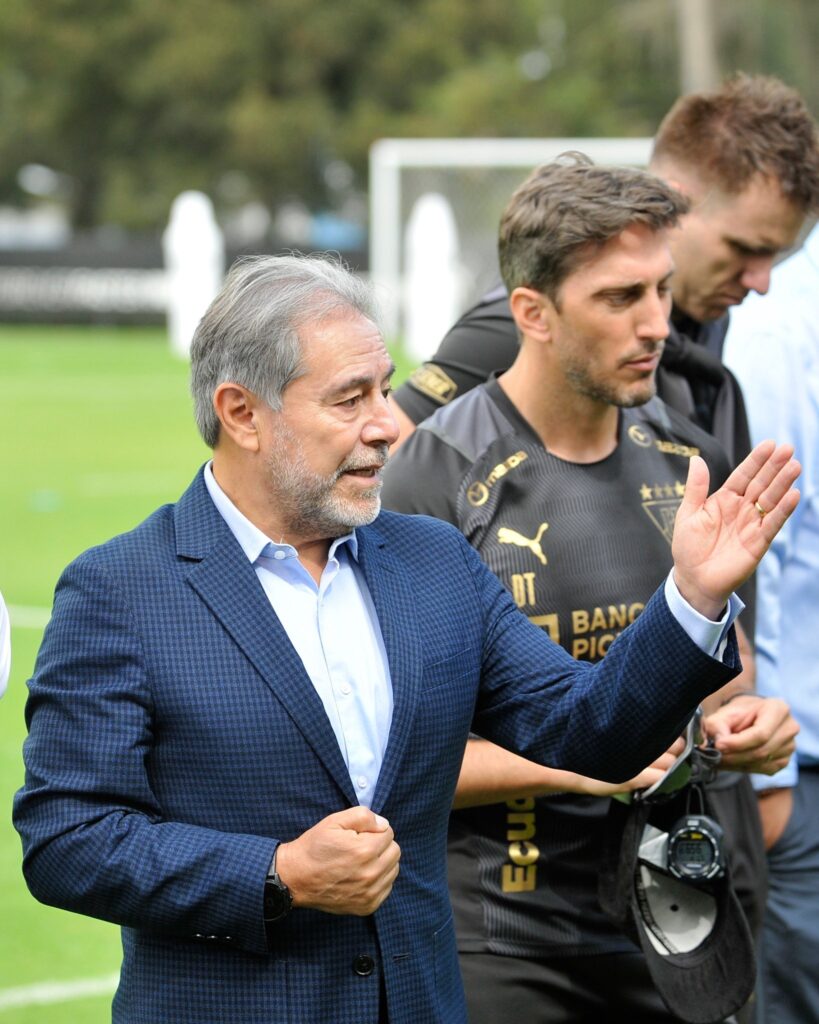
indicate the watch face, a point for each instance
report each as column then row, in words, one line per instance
column 695, row 849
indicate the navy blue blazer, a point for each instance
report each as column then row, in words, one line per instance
column 175, row 738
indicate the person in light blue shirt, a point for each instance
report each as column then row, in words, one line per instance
column 773, row 348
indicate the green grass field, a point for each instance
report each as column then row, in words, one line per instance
column 97, row 431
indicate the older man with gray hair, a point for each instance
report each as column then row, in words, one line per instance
column 246, row 711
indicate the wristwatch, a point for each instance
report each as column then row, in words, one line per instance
column 277, row 897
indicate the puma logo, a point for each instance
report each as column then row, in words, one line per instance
column 507, row 536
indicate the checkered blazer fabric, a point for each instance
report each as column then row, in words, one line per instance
column 175, row 739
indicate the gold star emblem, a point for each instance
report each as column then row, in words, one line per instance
column 660, row 504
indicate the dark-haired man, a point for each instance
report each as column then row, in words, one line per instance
column 747, row 156
column 566, row 473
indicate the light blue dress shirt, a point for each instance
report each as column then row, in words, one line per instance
column 334, row 629
column 773, row 348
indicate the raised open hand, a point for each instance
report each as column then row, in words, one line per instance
column 720, row 538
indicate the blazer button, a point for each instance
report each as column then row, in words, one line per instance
column 363, row 965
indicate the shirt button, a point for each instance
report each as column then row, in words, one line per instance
column 279, row 554
column 361, row 782
column 363, row 965
column 345, row 688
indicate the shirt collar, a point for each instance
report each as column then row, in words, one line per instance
column 251, row 539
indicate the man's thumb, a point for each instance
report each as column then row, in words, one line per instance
column 696, row 486
column 361, row 819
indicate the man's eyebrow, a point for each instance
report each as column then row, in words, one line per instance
column 763, row 249
column 632, row 287
column 629, row 288
column 365, row 380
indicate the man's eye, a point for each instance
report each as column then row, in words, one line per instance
column 747, row 252
column 350, row 403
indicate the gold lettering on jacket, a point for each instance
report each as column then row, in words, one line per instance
column 478, row 492
column 519, row 874
column 670, row 448
column 588, row 642
column 523, row 589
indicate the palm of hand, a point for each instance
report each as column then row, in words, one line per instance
column 720, row 543
column 720, row 538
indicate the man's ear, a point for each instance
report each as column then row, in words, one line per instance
column 238, row 411
column 532, row 312
column 677, row 178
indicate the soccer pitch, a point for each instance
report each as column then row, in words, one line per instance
column 97, row 432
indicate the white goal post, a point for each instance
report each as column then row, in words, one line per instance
column 476, row 176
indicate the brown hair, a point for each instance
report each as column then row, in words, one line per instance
column 568, row 209
column 752, row 125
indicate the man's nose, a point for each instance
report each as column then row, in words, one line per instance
column 756, row 276
column 381, row 425
column 654, row 318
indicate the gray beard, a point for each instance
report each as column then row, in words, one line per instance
column 307, row 500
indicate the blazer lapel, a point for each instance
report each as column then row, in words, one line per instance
column 394, row 604
column 226, row 581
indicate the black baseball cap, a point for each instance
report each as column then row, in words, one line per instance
column 694, row 934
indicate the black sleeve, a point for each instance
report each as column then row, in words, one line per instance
column 484, row 340
column 423, row 478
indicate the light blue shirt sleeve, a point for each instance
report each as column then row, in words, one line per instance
column 710, row 637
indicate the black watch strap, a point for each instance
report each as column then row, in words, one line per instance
column 277, row 897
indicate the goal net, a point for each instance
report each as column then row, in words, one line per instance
column 475, row 177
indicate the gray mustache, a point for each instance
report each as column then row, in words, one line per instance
column 376, row 457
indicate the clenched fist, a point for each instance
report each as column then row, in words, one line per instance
column 345, row 864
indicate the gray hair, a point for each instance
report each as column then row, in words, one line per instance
column 249, row 334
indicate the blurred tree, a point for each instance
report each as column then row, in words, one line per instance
column 132, row 101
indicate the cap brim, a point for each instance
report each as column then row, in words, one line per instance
column 699, row 952
column 695, row 938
